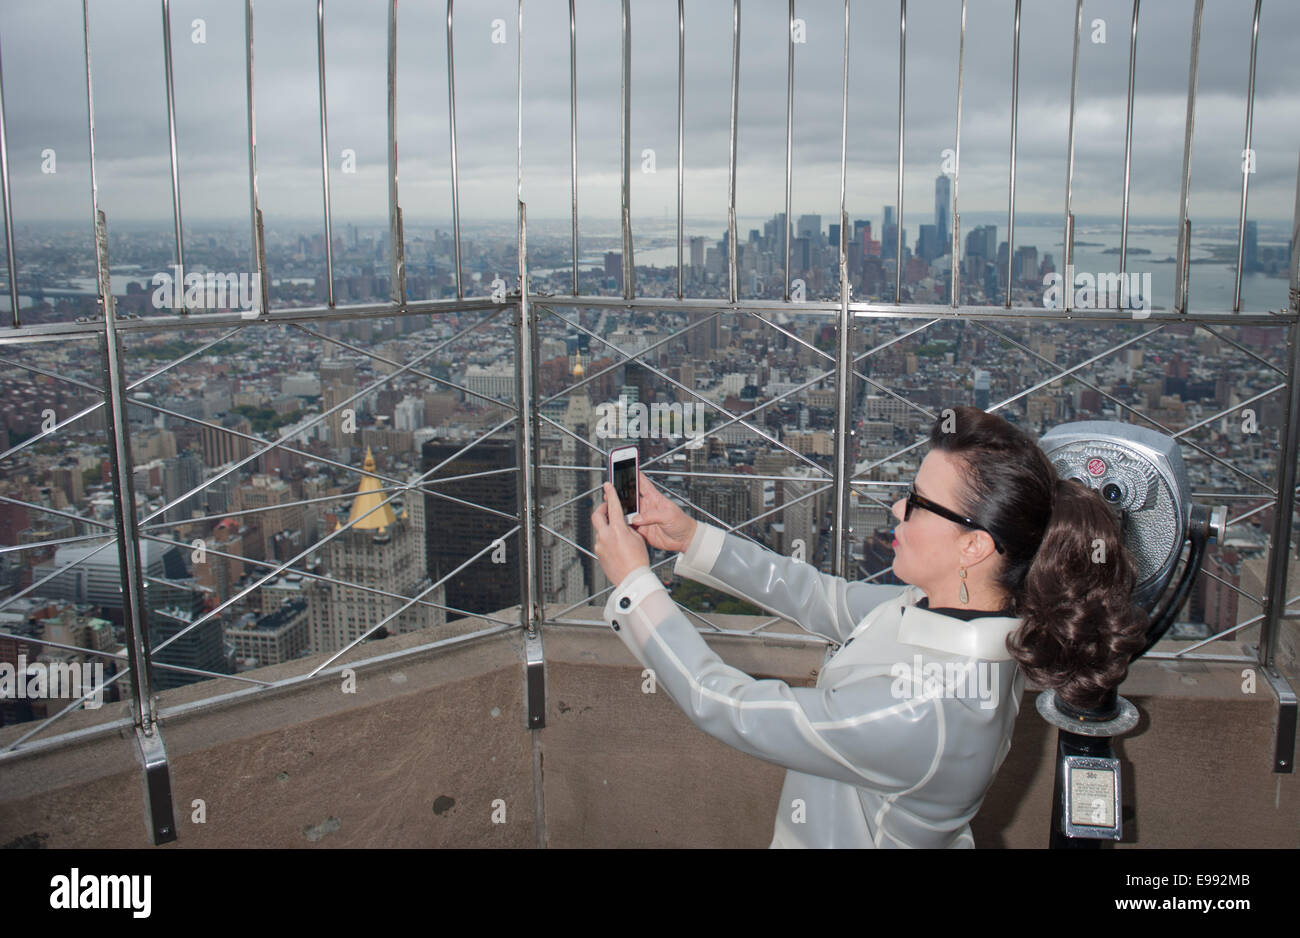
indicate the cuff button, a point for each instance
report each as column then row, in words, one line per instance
column 624, row 603
column 615, row 624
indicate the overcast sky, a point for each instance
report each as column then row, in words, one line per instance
column 45, row 108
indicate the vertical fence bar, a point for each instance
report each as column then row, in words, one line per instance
column 455, row 177
column 956, row 168
column 1015, row 114
column 625, row 138
column 171, row 138
column 148, row 737
column 1279, row 555
column 1280, row 550
column 531, row 590
column 844, row 349
column 731, row 165
column 259, row 243
column 324, row 151
column 1247, row 162
column 1128, row 154
column 573, row 139
column 9, row 211
column 396, row 244
column 1295, row 249
column 681, row 132
column 519, row 124
column 134, row 613
column 159, row 814
column 1182, row 275
column 1068, row 249
column 902, row 84
column 789, row 143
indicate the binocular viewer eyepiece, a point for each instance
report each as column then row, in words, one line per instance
column 1139, row 474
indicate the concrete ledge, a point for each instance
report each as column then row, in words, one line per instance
column 414, row 757
column 431, row 745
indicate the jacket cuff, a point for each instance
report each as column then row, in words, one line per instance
column 702, row 554
column 635, row 587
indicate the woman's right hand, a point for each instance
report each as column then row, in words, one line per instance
column 660, row 521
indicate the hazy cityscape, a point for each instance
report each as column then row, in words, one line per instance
column 406, row 396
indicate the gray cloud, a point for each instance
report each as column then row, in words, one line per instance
column 45, row 108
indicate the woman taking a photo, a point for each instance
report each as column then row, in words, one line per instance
column 915, row 705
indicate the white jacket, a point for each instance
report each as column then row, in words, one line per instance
column 911, row 717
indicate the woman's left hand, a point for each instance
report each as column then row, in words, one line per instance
column 619, row 549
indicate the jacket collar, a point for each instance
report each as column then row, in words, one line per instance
column 983, row 638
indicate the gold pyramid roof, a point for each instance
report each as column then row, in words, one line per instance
column 368, row 496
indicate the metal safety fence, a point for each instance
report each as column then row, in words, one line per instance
column 840, row 342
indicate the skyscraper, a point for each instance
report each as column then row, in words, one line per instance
column 800, row 254
column 701, row 341
column 930, row 243
column 173, row 605
column 779, row 230
column 981, row 389
column 870, row 246
column 180, row 475
column 456, row 531
column 942, row 206
column 1024, row 266
column 380, row 550
column 697, row 253
column 614, row 267
column 982, row 241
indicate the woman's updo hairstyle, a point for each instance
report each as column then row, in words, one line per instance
column 1065, row 566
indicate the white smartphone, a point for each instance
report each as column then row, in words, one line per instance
column 624, row 464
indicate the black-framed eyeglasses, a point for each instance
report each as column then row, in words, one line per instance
column 919, row 501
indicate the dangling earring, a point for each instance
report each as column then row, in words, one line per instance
column 965, row 597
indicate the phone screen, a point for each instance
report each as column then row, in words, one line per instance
column 625, row 484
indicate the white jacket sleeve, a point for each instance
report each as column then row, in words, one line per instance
column 819, row 603
column 857, row 732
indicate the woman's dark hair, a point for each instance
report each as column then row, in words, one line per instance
column 1066, row 569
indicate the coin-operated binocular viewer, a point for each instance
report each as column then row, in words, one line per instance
column 1140, row 475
